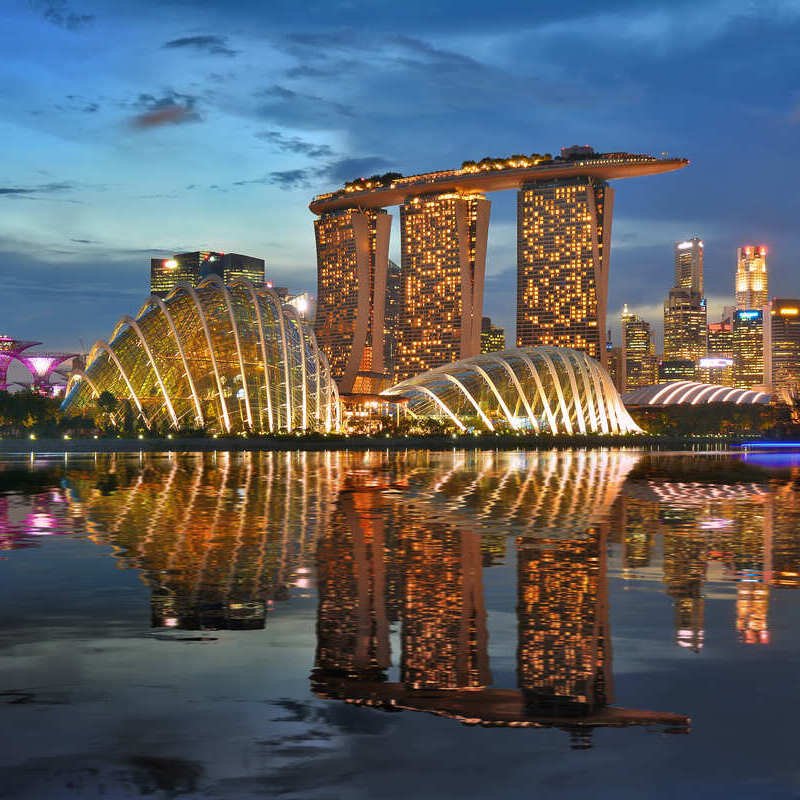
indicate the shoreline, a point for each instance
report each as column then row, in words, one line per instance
column 341, row 443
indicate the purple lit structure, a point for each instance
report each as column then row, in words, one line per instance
column 40, row 365
column 9, row 350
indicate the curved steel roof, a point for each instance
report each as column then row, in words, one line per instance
column 691, row 393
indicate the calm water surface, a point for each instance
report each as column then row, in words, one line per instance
column 395, row 625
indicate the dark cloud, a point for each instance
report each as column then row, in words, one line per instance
column 294, row 144
column 215, row 45
column 58, row 13
column 289, row 107
column 42, row 189
column 347, row 169
column 172, row 108
column 285, row 179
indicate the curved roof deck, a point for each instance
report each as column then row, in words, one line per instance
column 471, row 179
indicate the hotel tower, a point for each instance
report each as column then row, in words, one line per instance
column 563, row 240
column 443, row 246
column 352, row 259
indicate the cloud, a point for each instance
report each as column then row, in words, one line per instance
column 215, row 45
column 28, row 191
column 58, row 13
column 297, row 109
column 337, row 171
column 171, row 109
column 294, row 144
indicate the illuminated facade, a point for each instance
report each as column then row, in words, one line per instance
column 691, row 393
column 391, row 319
column 352, row 259
column 751, row 278
column 639, row 363
column 717, row 366
column 191, row 268
column 493, row 337
column 689, row 265
column 228, row 358
column 563, row 247
column 443, row 246
column 685, row 326
column 748, row 348
column 540, row 389
column 9, row 351
column 785, row 345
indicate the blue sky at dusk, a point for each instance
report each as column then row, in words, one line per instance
column 138, row 129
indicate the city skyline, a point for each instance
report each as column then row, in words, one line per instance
column 240, row 111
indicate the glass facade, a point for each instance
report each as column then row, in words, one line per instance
column 230, row 359
column 542, row 389
column 785, row 345
column 751, row 277
column 748, row 348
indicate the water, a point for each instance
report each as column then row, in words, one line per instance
column 350, row 625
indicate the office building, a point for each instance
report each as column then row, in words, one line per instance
column 614, row 364
column 685, row 326
column 191, row 268
column 677, row 370
column 443, row 249
column 751, row 277
column 352, row 259
column 493, row 337
column 689, row 265
column 748, row 349
column 563, row 244
column 639, row 363
column 785, row 345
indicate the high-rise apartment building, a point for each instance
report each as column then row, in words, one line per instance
column 493, row 337
column 685, row 326
column 748, row 349
column 191, row 268
column 443, row 247
column 639, row 363
column 751, row 277
column 352, row 260
column 785, row 345
column 563, row 242
column 689, row 265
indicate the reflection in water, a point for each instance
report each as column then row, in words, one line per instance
column 400, row 544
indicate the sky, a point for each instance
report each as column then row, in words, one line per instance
column 138, row 129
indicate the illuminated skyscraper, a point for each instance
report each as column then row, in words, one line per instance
column 352, row 259
column 685, row 326
column 785, row 344
column 563, row 245
column 751, row 277
column 689, row 265
column 639, row 363
column 493, row 337
column 191, row 268
column 443, row 245
column 748, row 348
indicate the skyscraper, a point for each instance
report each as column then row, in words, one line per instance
column 493, row 337
column 751, row 277
column 639, row 363
column 191, row 268
column 443, row 246
column 352, row 259
column 748, row 349
column 685, row 317
column 689, row 265
column 785, row 344
column 685, row 326
column 563, row 241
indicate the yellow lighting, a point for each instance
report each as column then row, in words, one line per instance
column 170, row 263
column 789, row 312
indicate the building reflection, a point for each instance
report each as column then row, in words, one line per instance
column 564, row 663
